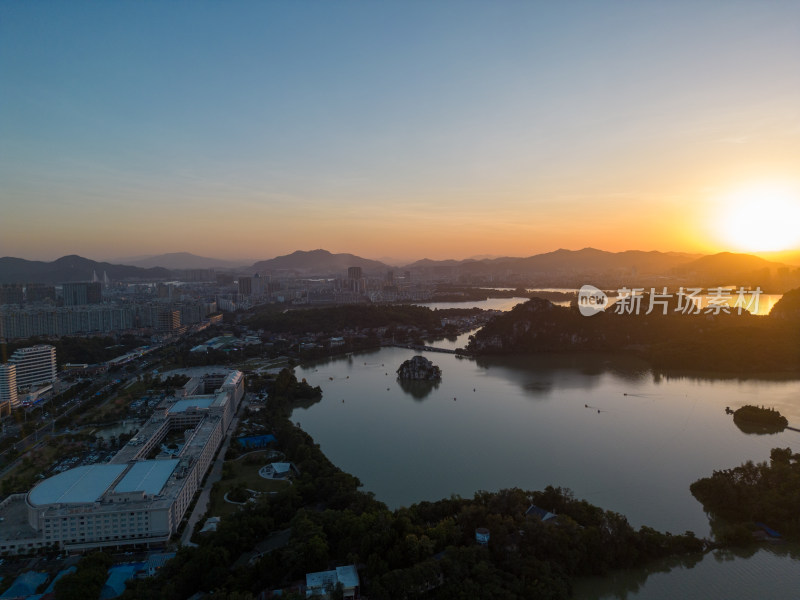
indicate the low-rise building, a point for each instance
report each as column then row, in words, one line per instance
column 324, row 582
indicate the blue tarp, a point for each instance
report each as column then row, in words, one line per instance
column 25, row 584
column 117, row 576
column 256, row 441
column 769, row 531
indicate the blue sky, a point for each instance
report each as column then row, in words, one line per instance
column 440, row 129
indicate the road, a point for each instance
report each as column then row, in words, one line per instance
column 214, row 475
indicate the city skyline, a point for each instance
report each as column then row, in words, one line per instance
column 403, row 130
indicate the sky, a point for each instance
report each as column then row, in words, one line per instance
column 397, row 129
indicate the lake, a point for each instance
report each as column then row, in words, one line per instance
column 488, row 304
column 768, row 571
column 765, row 301
column 606, row 427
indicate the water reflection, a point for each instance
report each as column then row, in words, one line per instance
column 764, row 571
column 751, row 428
column 540, row 374
column 418, row 389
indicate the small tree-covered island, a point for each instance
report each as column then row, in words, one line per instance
column 419, row 368
column 758, row 419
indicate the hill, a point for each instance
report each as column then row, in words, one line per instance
column 71, row 268
column 738, row 269
column 585, row 262
column 694, row 342
column 319, row 262
column 185, row 260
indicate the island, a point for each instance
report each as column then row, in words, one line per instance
column 755, row 419
column 419, row 368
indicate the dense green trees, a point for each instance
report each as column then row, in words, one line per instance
column 749, row 493
column 88, row 579
column 725, row 342
column 82, row 349
column 332, row 319
column 755, row 419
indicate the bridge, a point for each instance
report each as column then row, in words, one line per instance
column 426, row 348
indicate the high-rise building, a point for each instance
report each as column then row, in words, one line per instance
column 80, row 293
column 258, row 284
column 39, row 292
column 165, row 291
column 35, row 365
column 355, row 280
column 10, row 293
column 245, row 286
column 8, row 388
column 168, row 319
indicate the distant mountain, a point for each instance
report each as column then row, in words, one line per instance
column 727, row 268
column 588, row 261
column 185, row 260
column 427, row 263
column 71, row 268
column 788, row 257
column 319, row 262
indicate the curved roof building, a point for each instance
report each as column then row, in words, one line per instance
column 132, row 499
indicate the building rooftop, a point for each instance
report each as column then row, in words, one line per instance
column 148, row 476
column 80, row 485
column 197, row 401
column 319, row 581
column 348, row 576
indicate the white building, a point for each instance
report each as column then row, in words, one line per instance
column 131, row 500
column 35, row 365
column 8, row 388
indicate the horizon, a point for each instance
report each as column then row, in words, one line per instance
column 398, row 130
column 790, row 258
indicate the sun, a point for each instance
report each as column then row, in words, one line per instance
column 760, row 219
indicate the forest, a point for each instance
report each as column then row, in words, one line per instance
column 752, row 493
column 332, row 319
column 741, row 343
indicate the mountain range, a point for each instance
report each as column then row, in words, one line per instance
column 71, row 268
column 560, row 267
column 182, row 260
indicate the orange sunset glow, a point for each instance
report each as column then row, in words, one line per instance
column 505, row 131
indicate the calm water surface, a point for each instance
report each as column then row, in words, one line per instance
column 607, row 428
column 764, row 572
column 765, row 302
column 533, row 421
column 488, row 304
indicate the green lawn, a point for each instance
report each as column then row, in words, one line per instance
column 241, row 472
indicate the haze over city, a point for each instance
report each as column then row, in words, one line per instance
column 402, row 130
